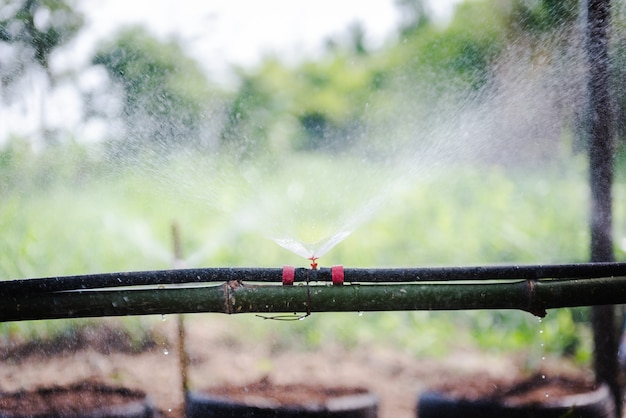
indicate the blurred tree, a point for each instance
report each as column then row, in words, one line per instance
column 357, row 36
column 316, row 105
column 259, row 105
column 36, row 28
column 540, row 16
column 413, row 15
column 33, row 30
column 451, row 59
column 322, row 104
column 165, row 93
column 331, row 97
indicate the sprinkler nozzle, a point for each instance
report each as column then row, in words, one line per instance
column 313, row 262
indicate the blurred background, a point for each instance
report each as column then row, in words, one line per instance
column 373, row 134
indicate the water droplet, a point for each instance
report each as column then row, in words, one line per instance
column 547, row 395
column 543, row 357
column 163, row 317
column 169, row 409
column 540, row 331
column 361, row 313
column 166, row 351
column 543, row 376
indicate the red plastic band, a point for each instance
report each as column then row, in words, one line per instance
column 289, row 272
column 337, row 275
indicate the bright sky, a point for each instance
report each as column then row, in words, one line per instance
column 219, row 33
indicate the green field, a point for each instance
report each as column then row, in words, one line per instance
column 67, row 214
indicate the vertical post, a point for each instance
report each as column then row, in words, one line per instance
column 183, row 359
column 599, row 130
column 601, row 150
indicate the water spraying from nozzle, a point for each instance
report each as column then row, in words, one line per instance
column 311, row 251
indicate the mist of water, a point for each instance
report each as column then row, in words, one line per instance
column 309, row 202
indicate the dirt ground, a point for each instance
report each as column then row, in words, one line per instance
column 214, row 359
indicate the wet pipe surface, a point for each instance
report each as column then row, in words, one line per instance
column 257, row 290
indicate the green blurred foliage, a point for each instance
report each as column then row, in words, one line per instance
column 31, row 31
column 314, row 106
column 25, row 171
column 537, row 17
column 461, row 53
column 325, row 104
column 470, row 215
column 63, row 211
column 165, row 92
column 413, row 14
column 38, row 27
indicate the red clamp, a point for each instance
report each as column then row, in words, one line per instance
column 337, row 275
column 313, row 262
column 289, row 273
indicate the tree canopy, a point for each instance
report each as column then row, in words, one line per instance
column 318, row 103
column 164, row 91
column 37, row 28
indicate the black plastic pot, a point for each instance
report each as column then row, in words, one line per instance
column 206, row 405
column 73, row 402
column 597, row 403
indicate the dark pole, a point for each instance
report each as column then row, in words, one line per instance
column 600, row 141
column 600, row 131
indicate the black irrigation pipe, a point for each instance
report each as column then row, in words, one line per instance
column 25, row 287
column 233, row 297
column 259, row 290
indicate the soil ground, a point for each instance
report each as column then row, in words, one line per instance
column 215, row 359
